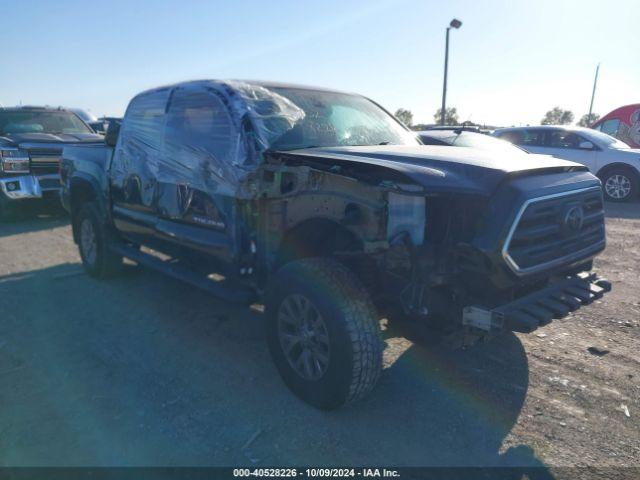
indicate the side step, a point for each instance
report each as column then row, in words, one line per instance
column 222, row 290
column 527, row 313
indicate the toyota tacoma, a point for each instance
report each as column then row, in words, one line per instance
column 323, row 207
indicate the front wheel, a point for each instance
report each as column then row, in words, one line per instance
column 619, row 185
column 94, row 238
column 323, row 333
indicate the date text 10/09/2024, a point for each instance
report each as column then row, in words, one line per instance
column 316, row 472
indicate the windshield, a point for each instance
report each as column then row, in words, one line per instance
column 481, row 141
column 25, row 121
column 337, row 119
column 606, row 140
column 84, row 115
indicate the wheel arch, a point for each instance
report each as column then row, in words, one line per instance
column 81, row 191
column 317, row 237
column 618, row 165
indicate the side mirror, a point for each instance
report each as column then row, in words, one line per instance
column 585, row 146
column 111, row 137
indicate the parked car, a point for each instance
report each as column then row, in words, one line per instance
column 102, row 124
column 622, row 123
column 321, row 205
column 97, row 125
column 613, row 161
column 31, row 141
column 463, row 137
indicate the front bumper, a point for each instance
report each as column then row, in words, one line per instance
column 29, row 186
column 527, row 313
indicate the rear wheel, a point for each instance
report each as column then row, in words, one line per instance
column 619, row 184
column 323, row 333
column 94, row 239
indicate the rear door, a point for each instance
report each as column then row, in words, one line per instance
column 135, row 163
column 532, row 140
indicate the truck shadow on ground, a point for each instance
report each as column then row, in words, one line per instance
column 144, row 370
column 34, row 218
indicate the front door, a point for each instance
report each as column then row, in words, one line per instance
column 565, row 144
column 197, row 178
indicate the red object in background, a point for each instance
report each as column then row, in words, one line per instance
column 622, row 123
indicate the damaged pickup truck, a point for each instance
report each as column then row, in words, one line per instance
column 322, row 206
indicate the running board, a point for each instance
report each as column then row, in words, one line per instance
column 222, row 290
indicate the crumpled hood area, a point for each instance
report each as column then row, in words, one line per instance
column 442, row 168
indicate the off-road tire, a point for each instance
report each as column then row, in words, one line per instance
column 355, row 360
column 625, row 172
column 104, row 263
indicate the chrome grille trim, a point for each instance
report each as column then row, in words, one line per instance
column 45, row 162
column 566, row 259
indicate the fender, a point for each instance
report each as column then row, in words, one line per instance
column 621, row 165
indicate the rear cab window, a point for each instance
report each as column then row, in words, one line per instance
column 144, row 121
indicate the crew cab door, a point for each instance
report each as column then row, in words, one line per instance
column 196, row 188
column 134, row 167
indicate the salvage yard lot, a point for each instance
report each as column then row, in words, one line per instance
column 144, row 370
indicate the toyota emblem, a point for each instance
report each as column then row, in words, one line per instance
column 574, row 219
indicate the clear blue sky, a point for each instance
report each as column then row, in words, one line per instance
column 509, row 63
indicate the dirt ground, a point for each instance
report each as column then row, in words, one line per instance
column 144, row 370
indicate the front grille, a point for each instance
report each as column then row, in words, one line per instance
column 556, row 229
column 44, row 161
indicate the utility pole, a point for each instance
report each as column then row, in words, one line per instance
column 455, row 23
column 593, row 93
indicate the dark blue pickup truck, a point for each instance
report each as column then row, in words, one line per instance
column 322, row 206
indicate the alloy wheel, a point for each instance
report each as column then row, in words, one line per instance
column 618, row 186
column 303, row 337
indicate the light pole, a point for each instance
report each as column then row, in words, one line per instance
column 455, row 23
column 593, row 93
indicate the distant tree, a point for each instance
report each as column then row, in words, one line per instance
column 450, row 116
column 587, row 119
column 405, row 116
column 557, row 116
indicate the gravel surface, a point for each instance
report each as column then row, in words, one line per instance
column 144, row 370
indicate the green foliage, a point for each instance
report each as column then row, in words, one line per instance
column 557, row 116
column 587, row 119
column 450, row 116
column 405, row 116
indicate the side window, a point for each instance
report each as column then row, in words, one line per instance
column 610, row 127
column 198, row 123
column 513, row 136
column 532, row 138
column 144, row 122
column 563, row 139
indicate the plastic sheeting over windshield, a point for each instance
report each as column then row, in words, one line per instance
column 272, row 114
column 204, row 135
